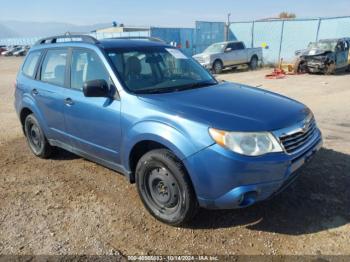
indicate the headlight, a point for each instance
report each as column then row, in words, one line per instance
column 246, row 143
column 206, row 58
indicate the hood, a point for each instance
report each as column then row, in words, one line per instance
column 314, row 52
column 231, row 107
column 205, row 54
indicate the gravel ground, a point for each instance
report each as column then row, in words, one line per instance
column 67, row 205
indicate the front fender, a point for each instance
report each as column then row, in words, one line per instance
column 158, row 132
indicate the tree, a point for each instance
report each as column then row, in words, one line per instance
column 286, row 15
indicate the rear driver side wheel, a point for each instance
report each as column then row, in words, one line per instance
column 36, row 139
column 253, row 63
column 164, row 188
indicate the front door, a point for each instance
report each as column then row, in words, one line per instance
column 93, row 123
column 342, row 50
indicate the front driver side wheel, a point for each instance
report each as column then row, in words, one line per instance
column 164, row 188
column 218, row 67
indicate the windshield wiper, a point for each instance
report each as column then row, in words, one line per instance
column 175, row 88
column 154, row 91
column 197, row 85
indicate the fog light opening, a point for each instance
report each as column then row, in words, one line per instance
column 248, row 199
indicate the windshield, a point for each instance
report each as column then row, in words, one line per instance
column 215, row 48
column 158, row 69
column 326, row 46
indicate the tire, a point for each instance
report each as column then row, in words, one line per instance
column 253, row 64
column 297, row 66
column 300, row 67
column 330, row 69
column 165, row 188
column 36, row 139
column 218, row 67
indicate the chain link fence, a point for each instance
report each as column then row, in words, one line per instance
column 283, row 37
column 280, row 38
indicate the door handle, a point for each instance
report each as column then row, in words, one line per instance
column 35, row 92
column 69, row 101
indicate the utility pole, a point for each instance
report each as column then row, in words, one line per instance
column 227, row 27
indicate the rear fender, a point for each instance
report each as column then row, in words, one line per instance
column 28, row 102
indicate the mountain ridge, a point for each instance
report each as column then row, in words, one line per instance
column 12, row 28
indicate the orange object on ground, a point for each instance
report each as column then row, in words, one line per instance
column 276, row 74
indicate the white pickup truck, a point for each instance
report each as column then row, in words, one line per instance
column 229, row 54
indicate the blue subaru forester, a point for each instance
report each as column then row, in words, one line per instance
column 146, row 110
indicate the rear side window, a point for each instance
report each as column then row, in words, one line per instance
column 54, row 67
column 237, row 46
column 30, row 64
column 86, row 66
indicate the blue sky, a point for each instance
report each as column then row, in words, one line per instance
column 164, row 12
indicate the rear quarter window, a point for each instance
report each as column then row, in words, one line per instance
column 30, row 63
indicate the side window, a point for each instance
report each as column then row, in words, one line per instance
column 30, row 63
column 240, row 46
column 346, row 43
column 231, row 46
column 237, row 46
column 340, row 46
column 54, row 67
column 86, row 66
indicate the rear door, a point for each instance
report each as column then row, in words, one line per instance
column 235, row 53
column 48, row 91
column 93, row 123
column 240, row 52
column 229, row 55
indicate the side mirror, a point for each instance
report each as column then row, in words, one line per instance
column 96, row 88
column 229, row 49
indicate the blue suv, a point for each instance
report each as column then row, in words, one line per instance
column 146, row 110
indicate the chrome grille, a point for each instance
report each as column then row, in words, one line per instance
column 296, row 139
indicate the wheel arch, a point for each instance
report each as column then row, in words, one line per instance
column 28, row 106
column 150, row 135
column 140, row 149
column 218, row 60
column 25, row 111
column 254, row 56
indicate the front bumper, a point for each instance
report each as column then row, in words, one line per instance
column 206, row 65
column 225, row 180
column 316, row 67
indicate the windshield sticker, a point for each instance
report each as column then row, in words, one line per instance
column 176, row 53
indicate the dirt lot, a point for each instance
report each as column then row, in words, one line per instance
column 68, row 205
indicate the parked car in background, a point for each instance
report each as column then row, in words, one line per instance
column 219, row 56
column 325, row 56
column 2, row 49
column 21, row 52
column 11, row 51
column 146, row 110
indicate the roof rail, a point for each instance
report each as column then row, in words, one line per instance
column 154, row 39
column 72, row 38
